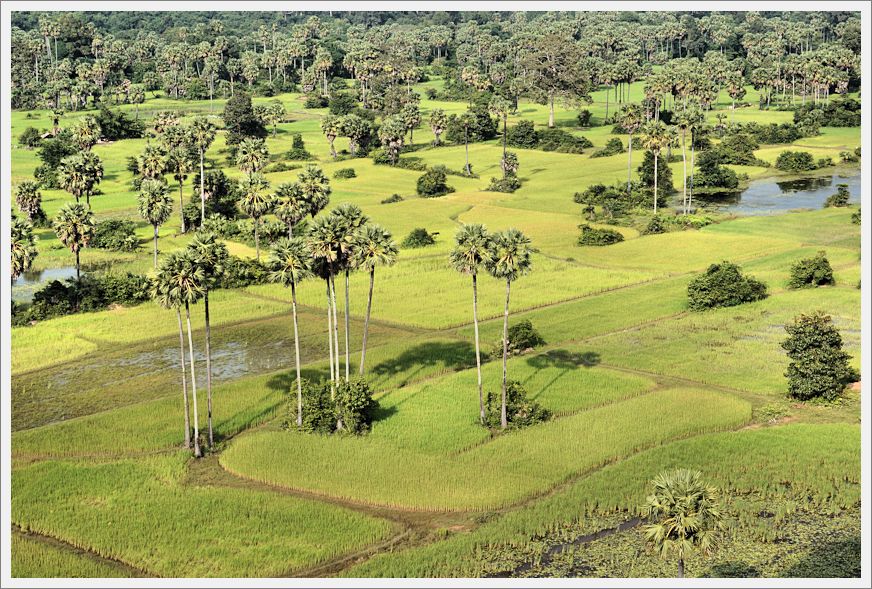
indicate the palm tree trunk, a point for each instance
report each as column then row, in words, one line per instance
column 202, row 193
column 680, row 568
column 629, row 163
column 655, row 183
column 366, row 320
column 607, row 103
column 78, row 277
column 505, row 121
column 256, row 238
column 335, row 322
column 155, row 246
column 481, row 415
column 690, row 196
column 181, row 206
column 197, row 452
column 297, row 355
column 347, row 312
column 208, row 368
column 466, row 142
column 684, row 167
column 503, row 420
column 330, row 341
column 184, row 379
column 551, row 112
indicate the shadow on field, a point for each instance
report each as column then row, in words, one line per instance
column 840, row 559
column 733, row 570
column 564, row 359
column 452, row 355
column 283, row 382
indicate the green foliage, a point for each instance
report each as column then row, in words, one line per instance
column 840, row 198
column 836, row 113
column 614, row 200
column 723, row 285
column 344, row 173
column 520, row 411
column 819, row 366
column 523, row 336
column 823, row 162
column 240, row 119
column 583, row 118
column 392, row 199
column 599, row 237
column 432, row 183
column 30, row 138
column 562, row 141
column 738, row 149
column 326, row 405
column 613, row 146
column 116, row 125
column 418, row 237
column 341, row 103
column 315, row 101
column 655, row 226
column 482, row 126
column 795, row 161
column 811, row 272
column 115, row 234
column 298, row 149
column 855, row 217
column 771, row 133
column 664, row 174
column 523, row 135
column 713, row 175
column 507, row 184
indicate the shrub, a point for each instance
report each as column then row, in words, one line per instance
column 345, row 173
column 46, row 177
column 30, row 138
column 282, row 167
column 811, row 272
column 91, row 293
column 520, row 411
column 341, row 103
column 523, row 134
column 593, row 236
column 819, row 366
column 319, row 411
column 713, row 175
column 855, row 217
column 848, row 157
column 738, row 149
column 840, row 198
column 241, row 272
column 431, row 93
column 355, row 406
column 240, row 120
column 614, row 200
column 562, row 142
column 507, row 184
column 664, row 175
column 392, row 198
column 418, row 237
column 655, row 226
column 824, row 162
column 613, row 146
column 483, row 128
column 115, row 234
column 315, row 101
column 352, row 406
column 584, row 118
column 523, row 336
column 837, row 113
column 54, row 149
column 298, row 149
column 115, row 125
column 723, row 285
column 432, row 183
column 795, row 161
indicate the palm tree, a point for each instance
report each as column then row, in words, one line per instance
column 86, row 133
column 153, row 162
column 324, row 239
column 316, row 189
column 255, row 202
column 251, row 155
column 78, row 174
column 23, row 246
column 655, row 137
column 474, row 247
column 331, row 127
column 185, row 286
column 74, row 226
column 290, row 207
column 160, row 289
column 29, row 201
column 179, row 161
column 202, row 135
column 631, row 119
column 510, row 261
column 684, row 515
column 211, row 257
column 290, row 260
column 500, row 107
column 373, row 247
column 349, row 219
column 696, row 121
column 466, row 120
column 155, row 206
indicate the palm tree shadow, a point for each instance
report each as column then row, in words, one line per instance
column 563, row 360
column 733, row 570
column 454, row 355
column 283, row 381
column 840, row 559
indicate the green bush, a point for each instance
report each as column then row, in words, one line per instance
column 560, row 141
column 392, row 199
column 432, row 183
column 583, row 118
column 341, row 103
column 848, row 157
column 855, row 217
column 326, row 406
column 810, row 272
column 520, row 411
column 840, row 198
column 30, row 138
column 298, row 149
column 836, row 113
column 115, row 234
column 315, row 101
column 819, row 366
column 116, row 125
column 418, row 237
column 613, row 146
column 91, row 293
column 614, row 200
column 523, row 336
column 523, row 135
column 241, row 272
column 483, row 128
column 655, row 226
column 824, row 162
column 345, row 173
column 664, row 175
column 795, row 161
column 713, row 175
column 507, row 184
column 737, row 148
column 355, row 406
column 593, row 236
column 723, row 285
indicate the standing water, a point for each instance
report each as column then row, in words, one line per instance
column 770, row 197
column 31, row 281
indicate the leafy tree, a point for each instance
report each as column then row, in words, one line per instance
column 723, row 285
column 418, row 237
column 520, row 411
column 240, row 119
column 202, row 135
column 655, row 137
column 74, row 226
column 255, row 203
column 510, row 261
column 840, row 198
column 155, row 206
column 523, row 135
column 811, row 272
column 115, row 234
column 433, row 182
column 819, row 366
column 23, row 243
column 684, row 515
column 79, row 174
column 522, row 336
column 373, row 246
column 29, row 201
column 358, row 130
column 795, row 161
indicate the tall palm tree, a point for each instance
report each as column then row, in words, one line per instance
column 255, row 202
column 153, row 162
column 29, row 201
column 373, row 247
column 155, row 206
column 211, row 257
column 684, row 515
column 202, row 136
column 349, row 219
column 86, row 132
column 180, row 163
column 290, row 261
column 655, row 137
column 23, row 243
column 510, row 261
column 74, row 226
column 331, row 127
column 251, row 155
column 290, row 206
column 631, row 119
column 696, row 122
column 160, row 289
column 474, row 248
column 78, row 174
column 323, row 242
column 501, row 107
column 185, row 287
column 316, row 189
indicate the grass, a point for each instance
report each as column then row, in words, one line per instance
column 38, row 558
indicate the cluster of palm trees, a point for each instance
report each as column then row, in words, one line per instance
column 336, row 243
column 505, row 256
